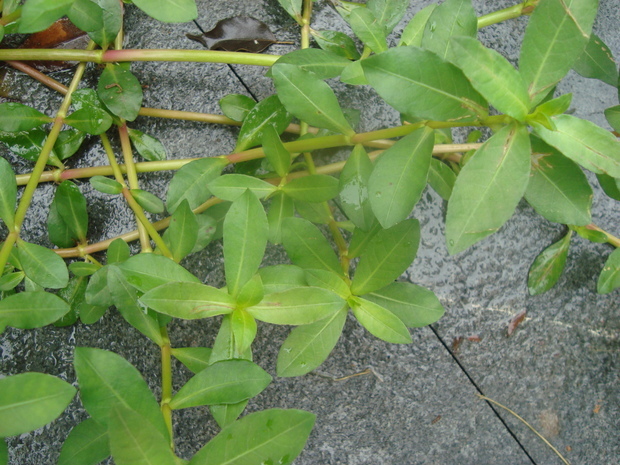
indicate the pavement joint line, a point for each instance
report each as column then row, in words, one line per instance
column 475, row 385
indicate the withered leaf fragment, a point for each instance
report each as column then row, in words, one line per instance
column 237, row 34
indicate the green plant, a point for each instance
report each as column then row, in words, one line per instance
column 534, row 152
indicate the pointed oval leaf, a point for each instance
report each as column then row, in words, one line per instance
column 380, row 322
column 451, row 18
column 324, row 64
column 556, row 35
column 8, row 193
column 87, row 444
column 190, row 182
column 414, row 305
column 10, row 281
column 278, row 278
column 281, row 207
column 399, row 177
column 195, row 359
column 150, row 202
column 118, row 251
column 146, row 271
column 293, row 8
column 68, row 143
column 307, row 247
column 108, row 380
column 231, row 186
column 245, row 238
column 414, row 30
column 368, row 29
column 388, row 12
column 225, row 382
column 584, row 142
column 268, row 436
column 309, row 98
column 386, row 257
column 609, row 279
column 169, row 11
column 406, row 78
column 558, row 189
column 28, row 144
column 86, row 15
column 182, row 232
column 308, row 346
column 279, row 158
column 268, row 112
column 27, row 310
column 189, row 301
column 548, row 266
column 112, row 22
column 328, row 280
column 314, row 188
column 71, row 205
column 31, row 400
column 597, row 62
column 353, row 187
column 299, row 306
column 90, row 119
column 244, row 329
column 337, row 43
column 120, row 91
column 42, row 265
column 441, row 178
column 15, row 117
column 134, row 441
column 149, row 147
column 488, row 188
column 491, row 75
column 106, row 185
column 236, row 106
column 38, row 15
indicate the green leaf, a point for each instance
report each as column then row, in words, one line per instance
column 182, row 233
column 112, row 22
column 190, row 182
column 293, row 8
column 597, row 62
column 307, row 247
column 27, row 310
column 388, row 12
column 313, row 212
column 269, row 436
column 368, row 29
column 558, row 189
column 118, row 251
column 548, row 266
column 108, row 381
column 236, row 106
column 555, row 37
column 225, row 382
column 150, row 202
column 86, row 15
column 491, row 75
column 609, row 278
column 488, row 188
column 8, row 193
column 58, row 231
column 611, row 186
column 169, row 11
column 441, row 178
column 244, row 329
column 309, row 98
column 120, row 91
column 353, row 187
column 313, row 188
column 207, row 226
column 414, row 30
column 386, row 257
column 106, row 185
column 399, row 177
column 71, row 205
column 251, row 293
column 414, row 305
column 245, row 238
column 147, row 271
column 231, row 186
column 89, row 116
column 15, row 117
column 612, row 114
column 87, row 444
column 195, row 359
column 38, row 15
column 451, row 18
column 68, row 142
column 74, row 295
column 353, row 74
column 188, row 300
column 42, row 265
column 90, row 314
column 28, row 145
column 328, row 280
column 380, row 322
column 281, row 207
column 268, row 112
column 406, row 78
column 278, row 278
column 134, row 441
column 97, row 292
column 299, row 306
column 584, row 142
column 31, row 400
column 10, row 281
column 275, row 152
column 337, row 43
column 308, row 346
column 324, row 64
column 149, row 147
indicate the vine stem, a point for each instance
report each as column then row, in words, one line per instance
column 39, row 167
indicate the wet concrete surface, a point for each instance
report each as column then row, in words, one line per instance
column 419, row 403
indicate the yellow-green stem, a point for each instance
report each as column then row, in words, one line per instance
column 116, row 170
column 166, row 382
column 511, row 12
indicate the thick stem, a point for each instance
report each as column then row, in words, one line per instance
column 166, row 383
column 511, row 12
